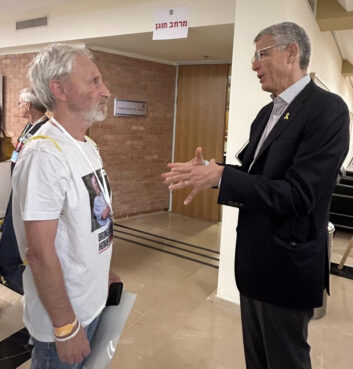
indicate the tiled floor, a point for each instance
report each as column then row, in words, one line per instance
column 341, row 241
column 175, row 324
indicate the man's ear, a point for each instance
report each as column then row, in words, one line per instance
column 293, row 49
column 57, row 88
column 28, row 106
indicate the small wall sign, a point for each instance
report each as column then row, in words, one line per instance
column 171, row 23
column 129, row 107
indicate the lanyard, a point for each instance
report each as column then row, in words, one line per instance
column 103, row 187
column 27, row 129
column 27, row 132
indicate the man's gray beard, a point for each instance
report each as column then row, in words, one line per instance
column 96, row 115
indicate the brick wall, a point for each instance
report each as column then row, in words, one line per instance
column 135, row 150
column 14, row 69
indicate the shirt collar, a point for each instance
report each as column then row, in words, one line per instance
column 292, row 91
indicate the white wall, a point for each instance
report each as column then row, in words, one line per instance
column 326, row 60
column 247, row 97
column 82, row 19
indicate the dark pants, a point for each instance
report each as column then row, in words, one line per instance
column 11, row 265
column 275, row 337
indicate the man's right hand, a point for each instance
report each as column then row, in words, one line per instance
column 75, row 349
column 197, row 160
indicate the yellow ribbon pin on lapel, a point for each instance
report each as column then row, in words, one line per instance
column 287, row 116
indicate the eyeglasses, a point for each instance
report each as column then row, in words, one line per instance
column 22, row 102
column 259, row 54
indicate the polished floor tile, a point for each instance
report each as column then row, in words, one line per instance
column 10, row 312
column 176, row 323
column 176, row 226
column 340, row 244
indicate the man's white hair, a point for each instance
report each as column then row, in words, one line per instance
column 53, row 62
column 286, row 32
column 28, row 95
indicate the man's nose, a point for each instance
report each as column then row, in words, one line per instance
column 255, row 65
column 105, row 91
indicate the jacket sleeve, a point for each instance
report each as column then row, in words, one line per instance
column 319, row 155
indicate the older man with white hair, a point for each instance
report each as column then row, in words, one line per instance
column 67, row 277
column 11, row 265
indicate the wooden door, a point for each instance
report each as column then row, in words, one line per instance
column 201, row 108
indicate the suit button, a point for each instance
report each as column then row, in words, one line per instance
column 241, row 204
column 292, row 243
column 230, row 203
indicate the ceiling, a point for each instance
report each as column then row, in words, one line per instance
column 337, row 16
column 204, row 43
column 24, row 6
column 346, row 4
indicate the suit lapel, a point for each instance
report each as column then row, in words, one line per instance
column 258, row 127
column 287, row 118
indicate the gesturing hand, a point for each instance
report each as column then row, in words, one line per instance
column 198, row 176
column 197, row 160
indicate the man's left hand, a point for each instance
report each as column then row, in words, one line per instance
column 199, row 177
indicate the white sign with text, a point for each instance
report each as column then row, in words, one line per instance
column 129, row 107
column 171, row 23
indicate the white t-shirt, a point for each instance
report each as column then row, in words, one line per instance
column 51, row 184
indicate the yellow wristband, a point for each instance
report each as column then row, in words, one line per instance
column 65, row 330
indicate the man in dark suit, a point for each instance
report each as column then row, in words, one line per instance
column 282, row 189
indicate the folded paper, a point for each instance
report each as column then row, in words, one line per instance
column 110, row 327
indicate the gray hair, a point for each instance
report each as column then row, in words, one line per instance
column 28, row 95
column 53, row 62
column 286, row 33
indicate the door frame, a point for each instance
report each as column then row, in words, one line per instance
column 170, row 207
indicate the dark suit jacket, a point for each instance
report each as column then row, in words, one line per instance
column 281, row 251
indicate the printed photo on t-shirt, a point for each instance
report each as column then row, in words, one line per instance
column 100, row 212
